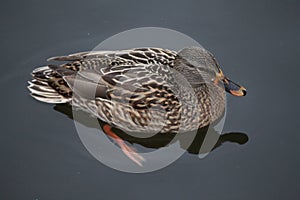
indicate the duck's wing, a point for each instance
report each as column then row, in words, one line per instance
column 48, row 85
column 132, row 95
column 140, row 86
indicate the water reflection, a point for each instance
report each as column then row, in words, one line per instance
column 161, row 140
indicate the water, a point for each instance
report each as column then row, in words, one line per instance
column 256, row 42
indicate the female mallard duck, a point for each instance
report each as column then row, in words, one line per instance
column 139, row 90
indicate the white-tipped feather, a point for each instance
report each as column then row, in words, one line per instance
column 50, row 100
column 36, row 82
column 39, row 69
column 44, row 94
column 41, row 90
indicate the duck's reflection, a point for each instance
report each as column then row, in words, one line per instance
column 162, row 140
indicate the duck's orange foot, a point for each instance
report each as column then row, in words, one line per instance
column 130, row 152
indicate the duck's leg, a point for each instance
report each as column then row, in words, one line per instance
column 130, row 152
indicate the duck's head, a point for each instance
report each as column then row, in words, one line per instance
column 199, row 65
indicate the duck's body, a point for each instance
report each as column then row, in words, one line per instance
column 139, row 90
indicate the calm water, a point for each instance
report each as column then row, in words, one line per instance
column 256, row 42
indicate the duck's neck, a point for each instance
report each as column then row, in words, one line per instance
column 212, row 102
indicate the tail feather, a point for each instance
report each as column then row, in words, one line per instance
column 48, row 87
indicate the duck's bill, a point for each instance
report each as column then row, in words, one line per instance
column 234, row 88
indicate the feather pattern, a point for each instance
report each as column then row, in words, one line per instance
column 137, row 90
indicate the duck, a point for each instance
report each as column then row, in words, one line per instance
column 140, row 90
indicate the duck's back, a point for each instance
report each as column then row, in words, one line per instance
column 48, row 84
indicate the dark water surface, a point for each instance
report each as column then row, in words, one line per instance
column 256, row 42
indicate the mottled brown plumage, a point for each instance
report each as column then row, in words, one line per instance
column 138, row 90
